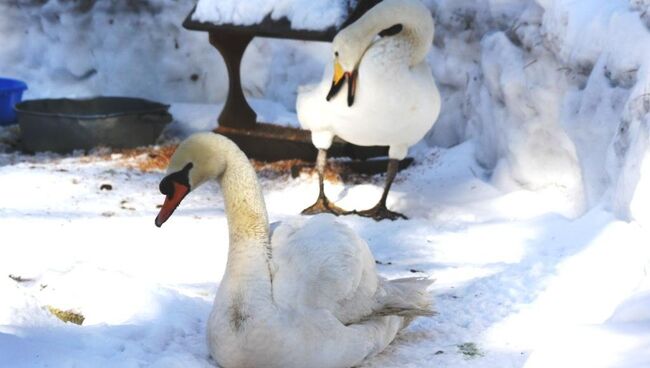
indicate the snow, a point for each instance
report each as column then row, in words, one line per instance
column 302, row 14
column 140, row 49
column 134, row 49
column 512, row 269
column 527, row 201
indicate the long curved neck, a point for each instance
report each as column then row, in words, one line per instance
column 248, row 275
column 247, row 217
column 415, row 18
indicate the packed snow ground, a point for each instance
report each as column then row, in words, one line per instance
column 519, row 283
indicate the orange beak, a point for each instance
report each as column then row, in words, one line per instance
column 171, row 203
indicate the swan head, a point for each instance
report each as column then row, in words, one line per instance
column 347, row 56
column 197, row 159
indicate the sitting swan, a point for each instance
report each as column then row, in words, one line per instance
column 309, row 296
column 392, row 99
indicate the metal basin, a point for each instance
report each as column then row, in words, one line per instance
column 63, row 125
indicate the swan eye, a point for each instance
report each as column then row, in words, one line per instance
column 336, row 53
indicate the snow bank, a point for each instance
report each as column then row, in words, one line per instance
column 80, row 49
column 302, row 14
column 86, row 48
column 502, row 89
column 606, row 113
column 553, row 92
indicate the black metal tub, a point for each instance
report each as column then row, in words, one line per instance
column 63, row 125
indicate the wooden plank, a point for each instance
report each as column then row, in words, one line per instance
column 268, row 142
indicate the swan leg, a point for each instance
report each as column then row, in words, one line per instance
column 323, row 203
column 379, row 211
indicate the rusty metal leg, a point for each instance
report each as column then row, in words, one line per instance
column 236, row 113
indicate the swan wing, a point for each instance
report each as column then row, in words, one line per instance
column 322, row 264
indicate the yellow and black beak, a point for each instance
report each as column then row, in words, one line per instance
column 339, row 79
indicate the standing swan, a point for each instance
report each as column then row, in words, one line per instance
column 392, row 99
column 308, row 296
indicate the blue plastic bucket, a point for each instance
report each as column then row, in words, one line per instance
column 11, row 93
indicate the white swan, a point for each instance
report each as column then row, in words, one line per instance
column 308, row 297
column 392, row 99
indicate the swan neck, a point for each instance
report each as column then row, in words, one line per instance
column 415, row 18
column 245, row 208
column 247, row 280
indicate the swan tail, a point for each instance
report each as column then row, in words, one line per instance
column 407, row 297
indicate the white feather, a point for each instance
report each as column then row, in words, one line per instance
column 397, row 100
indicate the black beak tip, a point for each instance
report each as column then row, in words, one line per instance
column 336, row 87
column 158, row 222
